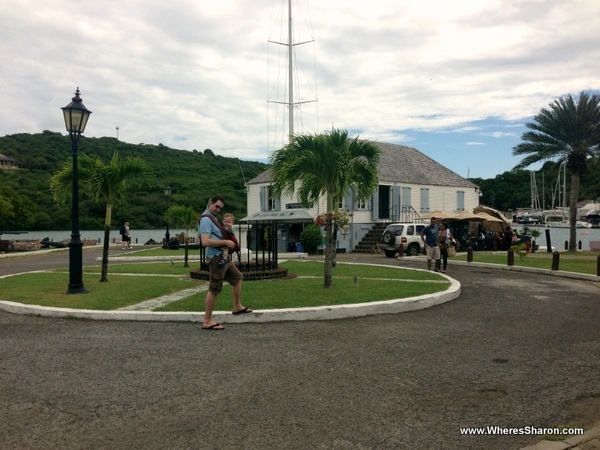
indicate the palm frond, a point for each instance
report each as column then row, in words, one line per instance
column 568, row 129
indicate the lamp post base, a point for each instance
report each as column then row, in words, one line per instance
column 76, row 266
column 77, row 289
column 167, row 238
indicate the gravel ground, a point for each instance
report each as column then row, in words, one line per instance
column 514, row 350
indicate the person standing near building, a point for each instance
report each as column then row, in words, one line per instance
column 446, row 240
column 429, row 236
column 508, row 238
column 220, row 269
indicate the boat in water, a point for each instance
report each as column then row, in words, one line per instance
column 558, row 217
column 566, row 224
column 593, row 217
column 532, row 218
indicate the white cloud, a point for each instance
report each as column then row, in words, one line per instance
column 499, row 134
column 195, row 75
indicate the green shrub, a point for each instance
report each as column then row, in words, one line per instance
column 311, row 238
column 520, row 249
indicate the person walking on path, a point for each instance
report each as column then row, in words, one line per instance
column 446, row 240
column 220, row 269
column 429, row 236
column 126, row 235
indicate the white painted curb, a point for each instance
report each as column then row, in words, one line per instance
column 534, row 270
column 265, row 315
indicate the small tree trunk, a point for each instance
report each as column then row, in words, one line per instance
column 334, row 245
column 104, row 275
column 328, row 257
column 573, row 197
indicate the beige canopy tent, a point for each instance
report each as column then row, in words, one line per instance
column 429, row 215
column 490, row 221
column 493, row 212
column 450, row 216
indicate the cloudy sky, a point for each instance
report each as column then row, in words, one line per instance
column 455, row 79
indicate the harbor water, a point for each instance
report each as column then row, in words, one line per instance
column 137, row 236
column 558, row 236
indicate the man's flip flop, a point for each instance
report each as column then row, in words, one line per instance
column 214, row 327
column 242, row 311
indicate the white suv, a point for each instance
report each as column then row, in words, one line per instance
column 406, row 234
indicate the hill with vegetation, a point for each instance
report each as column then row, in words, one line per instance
column 26, row 202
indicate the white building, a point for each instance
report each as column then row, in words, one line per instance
column 7, row 163
column 410, row 184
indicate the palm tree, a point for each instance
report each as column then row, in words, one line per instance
column 107, row 182
column 327, row 164
column 568, row 131
column 184, row 217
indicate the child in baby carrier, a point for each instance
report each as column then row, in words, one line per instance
column 228, row 234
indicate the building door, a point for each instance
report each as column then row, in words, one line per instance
column 384, row 202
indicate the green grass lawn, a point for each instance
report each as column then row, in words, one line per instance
column 374, row 283
column 48, row 289
column 136, row 282
column 580, row 262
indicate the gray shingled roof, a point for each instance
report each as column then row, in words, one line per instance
column 264, row 177
column 401, row 164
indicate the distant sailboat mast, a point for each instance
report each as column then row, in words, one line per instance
column 535, row 198
column 290, row 75
column 559, row 193
column 564, row 189
column 290, row 103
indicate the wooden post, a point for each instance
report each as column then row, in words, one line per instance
column 548, row 243
column 555, row 260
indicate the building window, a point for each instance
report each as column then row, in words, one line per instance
column 273, row 201
column 362, row 204
column 460, row 200
column 424, row 199
column 352, row 204
column 406, row 200
column 269, row 202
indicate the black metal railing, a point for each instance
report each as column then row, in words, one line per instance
column 260, row 252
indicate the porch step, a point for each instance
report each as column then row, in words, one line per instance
column 368, row 244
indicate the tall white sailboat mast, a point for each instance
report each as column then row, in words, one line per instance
column 291, row 104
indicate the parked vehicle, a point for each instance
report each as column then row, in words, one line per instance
column 405, row 234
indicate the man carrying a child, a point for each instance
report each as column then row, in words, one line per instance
column 214, row 237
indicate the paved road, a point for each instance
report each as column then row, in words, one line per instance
column 514, row 350
column 49, row 259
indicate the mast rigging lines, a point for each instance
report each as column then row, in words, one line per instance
column 288, row 96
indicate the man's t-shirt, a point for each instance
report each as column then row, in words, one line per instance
column 431, row 235
column 206, row 226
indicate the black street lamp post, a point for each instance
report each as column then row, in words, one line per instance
column 76, row 117
column 167, row 193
